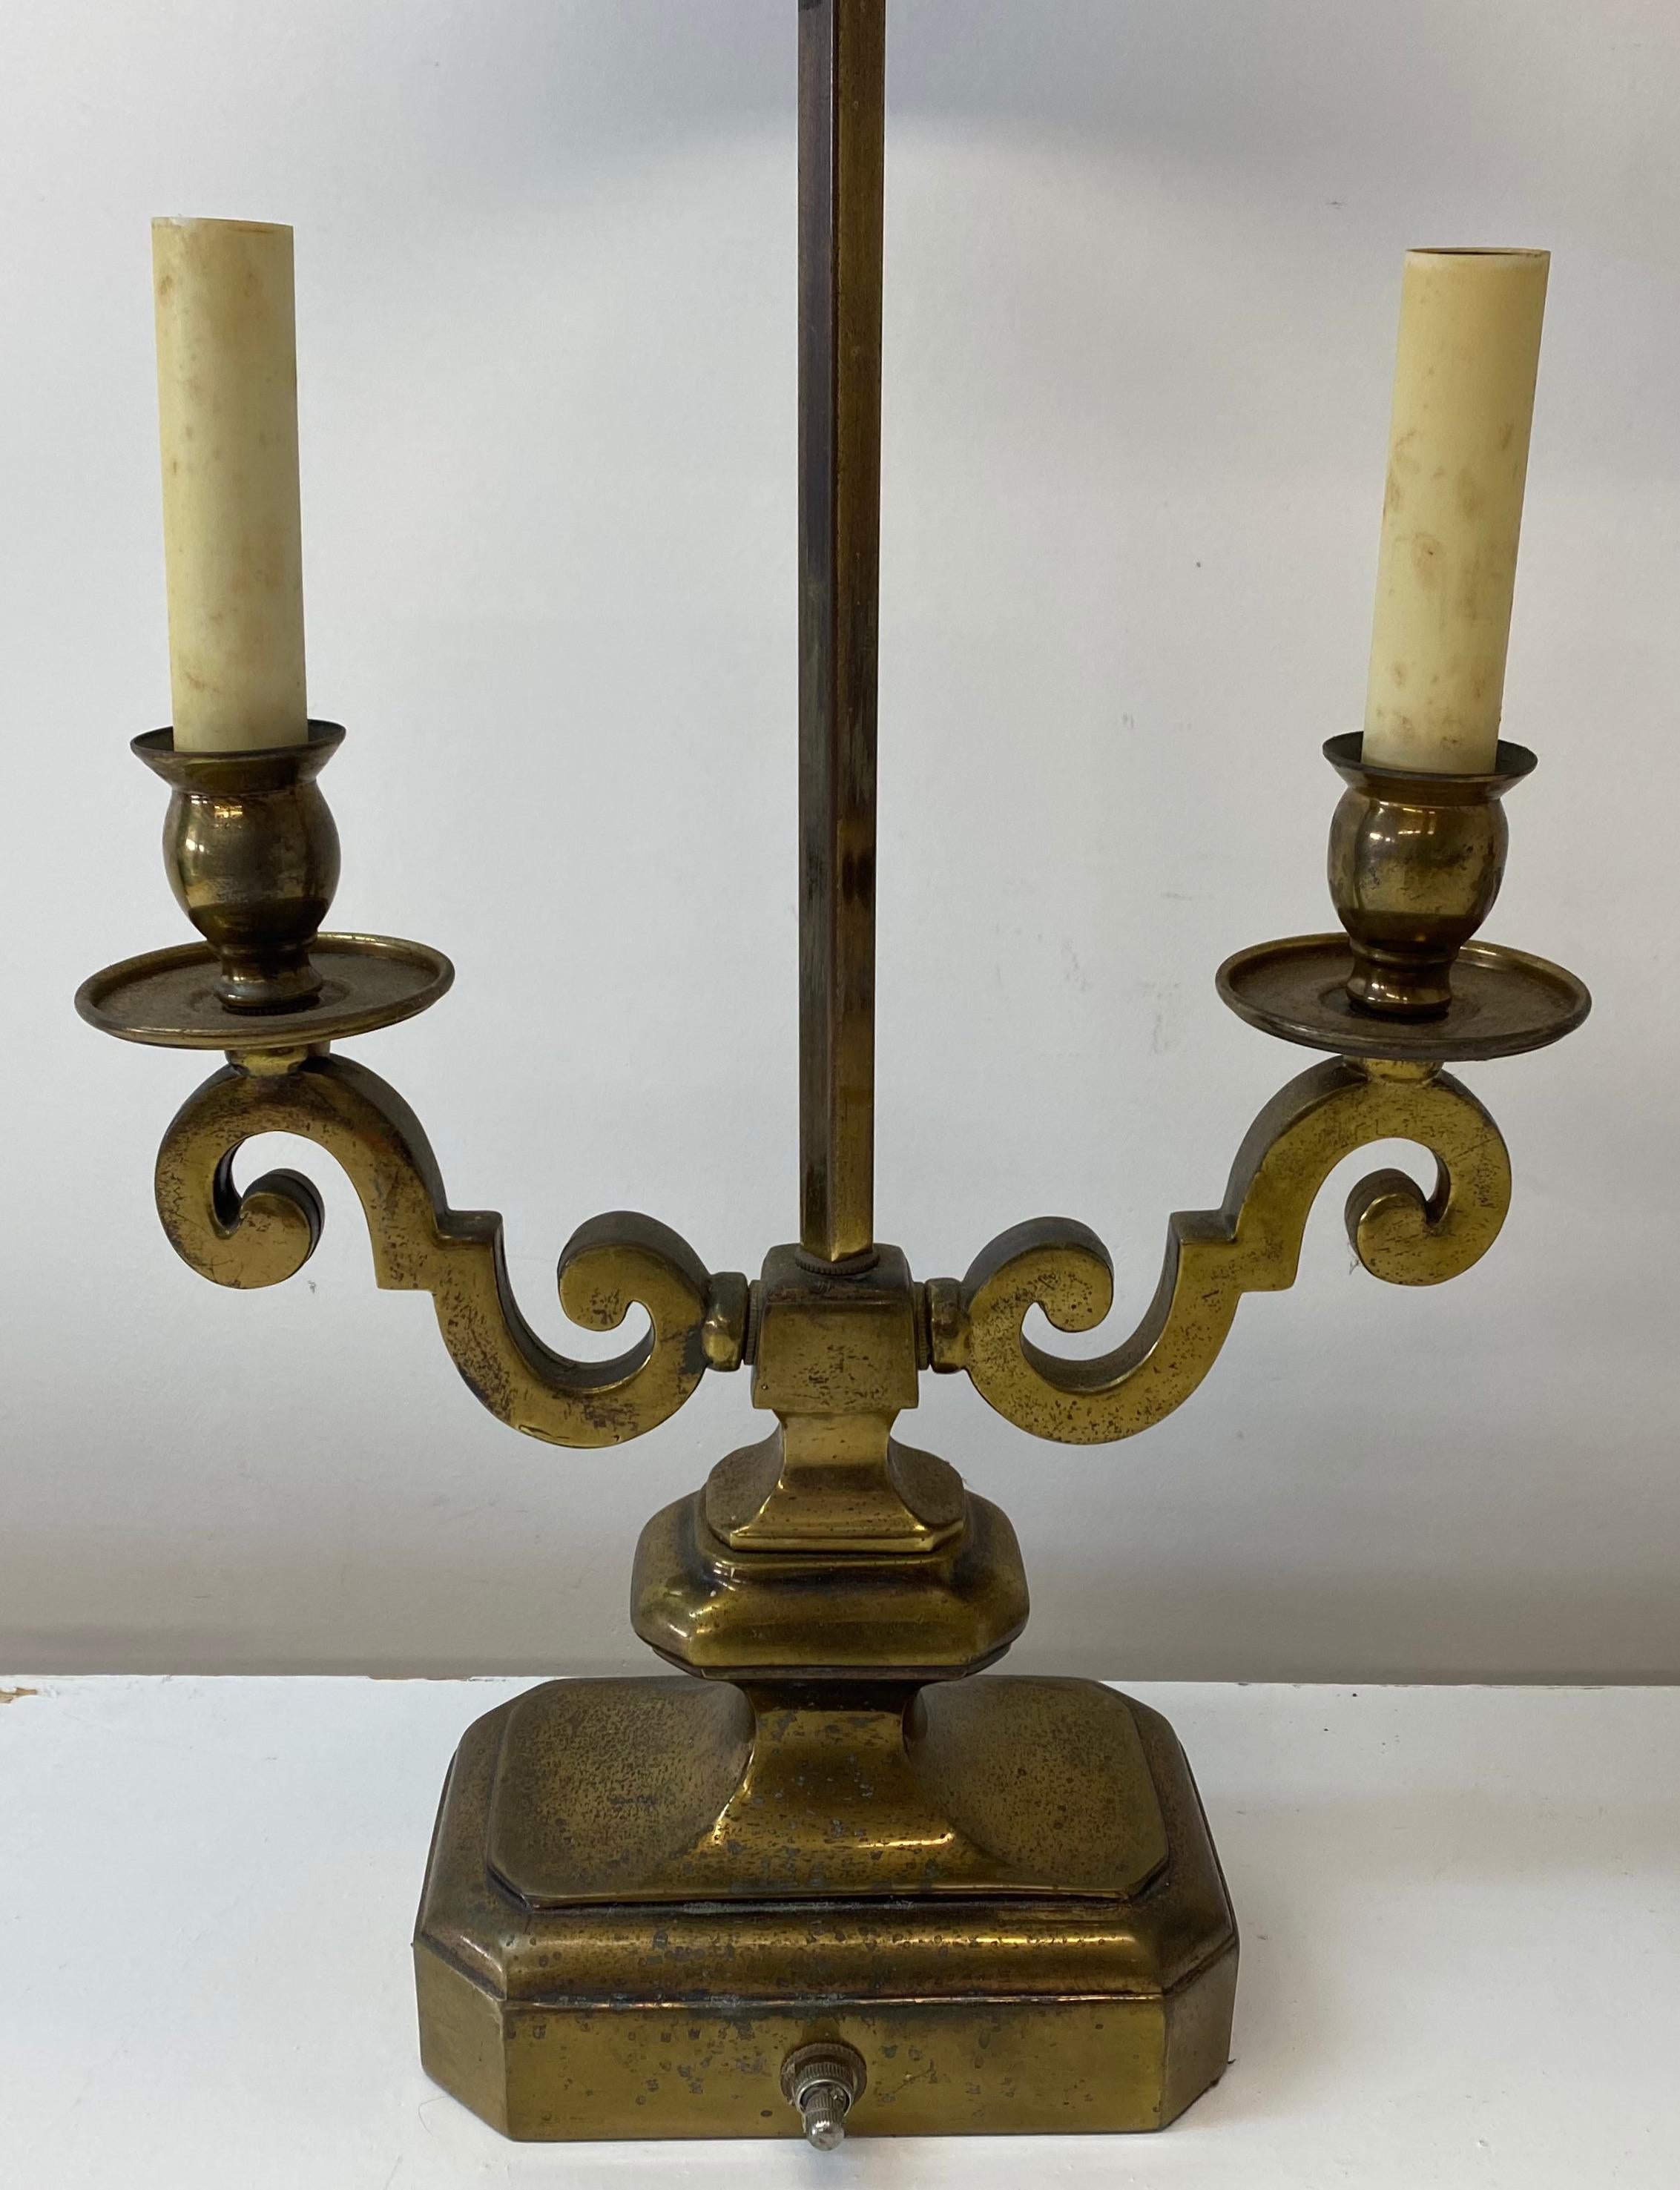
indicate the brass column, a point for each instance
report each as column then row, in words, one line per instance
column 842, row 109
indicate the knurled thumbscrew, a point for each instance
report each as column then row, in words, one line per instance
column 822, row 2080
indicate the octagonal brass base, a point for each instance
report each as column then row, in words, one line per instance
column 643, row 1896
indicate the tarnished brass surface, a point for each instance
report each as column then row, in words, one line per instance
column 1415, row 862
column 729, row 1308
column 1251, row 1244
column 252, row 857
column 833, row 1482
column 1504, row 1002
column 843, row 48
column 169, row 998
column 995, row 2061
column 761, row 1615
column 697, row 1790
column 421, row 1245
column 836, row 1356
column 1415, row 865
column 1094, row 1994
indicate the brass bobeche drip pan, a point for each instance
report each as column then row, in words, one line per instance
column 1504, row 1001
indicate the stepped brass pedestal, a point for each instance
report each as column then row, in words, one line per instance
column 1004, row 1898
column 833, row 1877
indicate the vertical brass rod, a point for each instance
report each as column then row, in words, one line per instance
column 842, row 102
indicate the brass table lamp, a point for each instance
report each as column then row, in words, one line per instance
column 836, row 1885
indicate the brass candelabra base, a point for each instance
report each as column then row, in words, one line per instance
column 997, row 1896
column 647, row 1898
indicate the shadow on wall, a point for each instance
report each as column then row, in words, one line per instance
column 1096, row 1620
column 1423, row 1625
column 1067, row 69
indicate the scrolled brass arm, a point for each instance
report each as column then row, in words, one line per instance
column 1251, row 1244
column 420, row 1244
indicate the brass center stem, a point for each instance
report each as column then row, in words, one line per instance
column 842, row 124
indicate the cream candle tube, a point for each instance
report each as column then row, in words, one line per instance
column 1458, row 456
column 227, row 405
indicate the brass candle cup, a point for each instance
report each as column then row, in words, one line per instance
column 252, row 857
column 1415, row 862
column 251, row 854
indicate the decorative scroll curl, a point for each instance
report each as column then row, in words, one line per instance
column 1252, row 1243
column 421, row 1245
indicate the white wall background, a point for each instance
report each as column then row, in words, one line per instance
column 1142, row 279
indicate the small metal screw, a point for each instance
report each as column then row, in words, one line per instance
column 822, row 2081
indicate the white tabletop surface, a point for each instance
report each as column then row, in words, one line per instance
column 1459, row 1911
